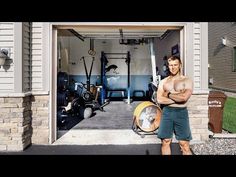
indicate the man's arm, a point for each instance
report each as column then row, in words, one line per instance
column 162, row 95
column 181, row 97
column 185, row 95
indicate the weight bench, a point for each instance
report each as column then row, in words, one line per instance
column 139, row 91
column 121, row 91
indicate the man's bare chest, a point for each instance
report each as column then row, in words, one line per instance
column 177, row 85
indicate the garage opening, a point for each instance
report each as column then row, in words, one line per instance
column 103, row 73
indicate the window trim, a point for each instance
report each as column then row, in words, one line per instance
column 234, row 60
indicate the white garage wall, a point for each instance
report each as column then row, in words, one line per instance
column 140, row 56
column 163, row 47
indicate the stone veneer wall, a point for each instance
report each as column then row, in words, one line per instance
column 198, row 114
column 15, row 123
column 40, row 119
column 23, row 121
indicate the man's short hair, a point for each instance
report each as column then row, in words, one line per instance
column 174, row 58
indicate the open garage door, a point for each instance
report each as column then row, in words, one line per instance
column 104, row 35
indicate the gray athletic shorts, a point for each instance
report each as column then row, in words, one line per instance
column 174, row 120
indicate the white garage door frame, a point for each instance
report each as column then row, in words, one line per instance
column 53, row 55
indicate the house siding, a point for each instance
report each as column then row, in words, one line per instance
column 220, row 56
column 7, row 71
column 197, row 55
column 198, row 103
column 25, row 119
column 27, row 60
column 23, row 108
column 37, row 37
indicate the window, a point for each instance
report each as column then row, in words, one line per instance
column 234, row 59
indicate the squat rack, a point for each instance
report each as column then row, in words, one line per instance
column 104, row 61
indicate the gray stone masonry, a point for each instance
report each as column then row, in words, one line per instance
column 23, row 121
column 198, row 115
column 15, row 123
column 40, row 119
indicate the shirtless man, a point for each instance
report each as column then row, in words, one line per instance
column 173, row 92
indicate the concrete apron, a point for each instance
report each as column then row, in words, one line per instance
column 108, row 137
column 96, row 131
column 104, row 137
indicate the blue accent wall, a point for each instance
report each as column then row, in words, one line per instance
column 137, row 82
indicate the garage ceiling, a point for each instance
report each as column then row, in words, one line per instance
column 111, row 34
column 114, row 32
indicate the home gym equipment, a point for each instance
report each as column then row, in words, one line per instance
column 152, row 92
column 62, row 97
column 141, row 94
column 88, row 75
column 146, row 118
column 79, row 108
column 91, row 51
column 104, row 62
column 88, row 95
column 62, row 81
column 86, row 112
column 61, row 116
column 114, row 67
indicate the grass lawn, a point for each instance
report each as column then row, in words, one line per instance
column 229, row 116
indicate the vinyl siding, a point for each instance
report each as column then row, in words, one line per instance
column 197, row 55
column 27, row 71
column 7, row 71
column 37, row 84
column 220, row 56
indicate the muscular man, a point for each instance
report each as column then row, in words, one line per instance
column 173, row 92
